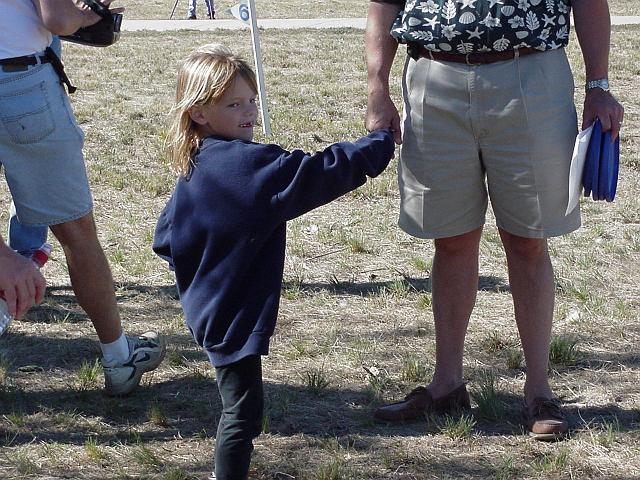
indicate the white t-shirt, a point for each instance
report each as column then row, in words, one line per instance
column 23, row 32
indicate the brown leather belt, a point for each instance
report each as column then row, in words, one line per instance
column 473, row 58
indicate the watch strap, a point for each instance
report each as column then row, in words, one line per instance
column 601, row 83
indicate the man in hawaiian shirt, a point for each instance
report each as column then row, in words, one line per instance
column 488, row 112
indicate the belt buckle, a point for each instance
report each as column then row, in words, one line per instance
column 14, row 68
column 468, row 62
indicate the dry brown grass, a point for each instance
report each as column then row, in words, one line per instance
column 356, row 295
column 161, row 9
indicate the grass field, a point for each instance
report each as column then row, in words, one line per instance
column 356, row 296
column 161, row 9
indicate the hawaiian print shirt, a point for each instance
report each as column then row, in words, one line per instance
column 467, row 26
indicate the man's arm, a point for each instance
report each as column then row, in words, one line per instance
column 21, row 282
column 593, row 28
column 381, row 49
column 64, row 17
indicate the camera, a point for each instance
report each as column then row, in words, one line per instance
column 102, row 34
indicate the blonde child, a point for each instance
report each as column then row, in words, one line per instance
column 223, row 229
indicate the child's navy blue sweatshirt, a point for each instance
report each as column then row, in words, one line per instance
column 223, row 231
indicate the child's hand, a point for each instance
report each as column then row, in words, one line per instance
column 390, row 132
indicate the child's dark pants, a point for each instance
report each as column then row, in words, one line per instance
column 240, row 387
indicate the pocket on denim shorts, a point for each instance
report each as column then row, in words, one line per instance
column 26, row 114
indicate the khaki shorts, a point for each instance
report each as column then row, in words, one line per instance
column 506, row 128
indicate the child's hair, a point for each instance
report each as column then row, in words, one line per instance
column 204, row 77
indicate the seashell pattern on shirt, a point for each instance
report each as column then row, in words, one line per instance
column 466, row 18
column 468, row 26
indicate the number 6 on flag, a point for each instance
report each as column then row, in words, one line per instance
column 241, row 12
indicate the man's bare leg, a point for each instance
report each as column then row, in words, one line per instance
column 454, row 290
column 532, row 286
column 90, row 275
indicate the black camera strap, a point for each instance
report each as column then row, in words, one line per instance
column 99, row 8
column 103, row 33
column 57, row 65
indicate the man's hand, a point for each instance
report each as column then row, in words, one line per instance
column 602, row 105
column 593, row 28
column 382, row 113
column 65, row 17
column 90, row 17
column 381, row 49
column 21, row 282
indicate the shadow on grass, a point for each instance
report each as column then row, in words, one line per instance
column 60, row 304
column 189, row 400
column 27, row 352
column 611, row 359
column 63, row 294
column 602, row 415
column 191, row 407
column 370, row 289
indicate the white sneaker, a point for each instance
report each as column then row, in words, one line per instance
column 146, row 353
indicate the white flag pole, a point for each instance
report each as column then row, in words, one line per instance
column 257, row 55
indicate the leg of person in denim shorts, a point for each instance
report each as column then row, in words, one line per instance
column 41, row 152
column 22, row 238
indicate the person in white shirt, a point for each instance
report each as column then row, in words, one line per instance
column 41, row 152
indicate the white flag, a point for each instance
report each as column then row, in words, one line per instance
column 241, row 11
column 245, row 11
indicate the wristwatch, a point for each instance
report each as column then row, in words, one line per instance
column 601, row 83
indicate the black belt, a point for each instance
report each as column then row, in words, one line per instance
column 21, row 64
column 480, row 58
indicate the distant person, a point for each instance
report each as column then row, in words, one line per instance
column 223, row 229
column 488, row 113
column 211, row 11
column 41, row 152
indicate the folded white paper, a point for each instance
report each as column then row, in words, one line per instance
column 577, row 167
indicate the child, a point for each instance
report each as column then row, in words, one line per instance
column 223, row 229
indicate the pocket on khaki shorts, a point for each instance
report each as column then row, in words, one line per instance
column 27, row 115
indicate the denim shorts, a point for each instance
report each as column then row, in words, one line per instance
column 41, row 148
column 502, row 131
